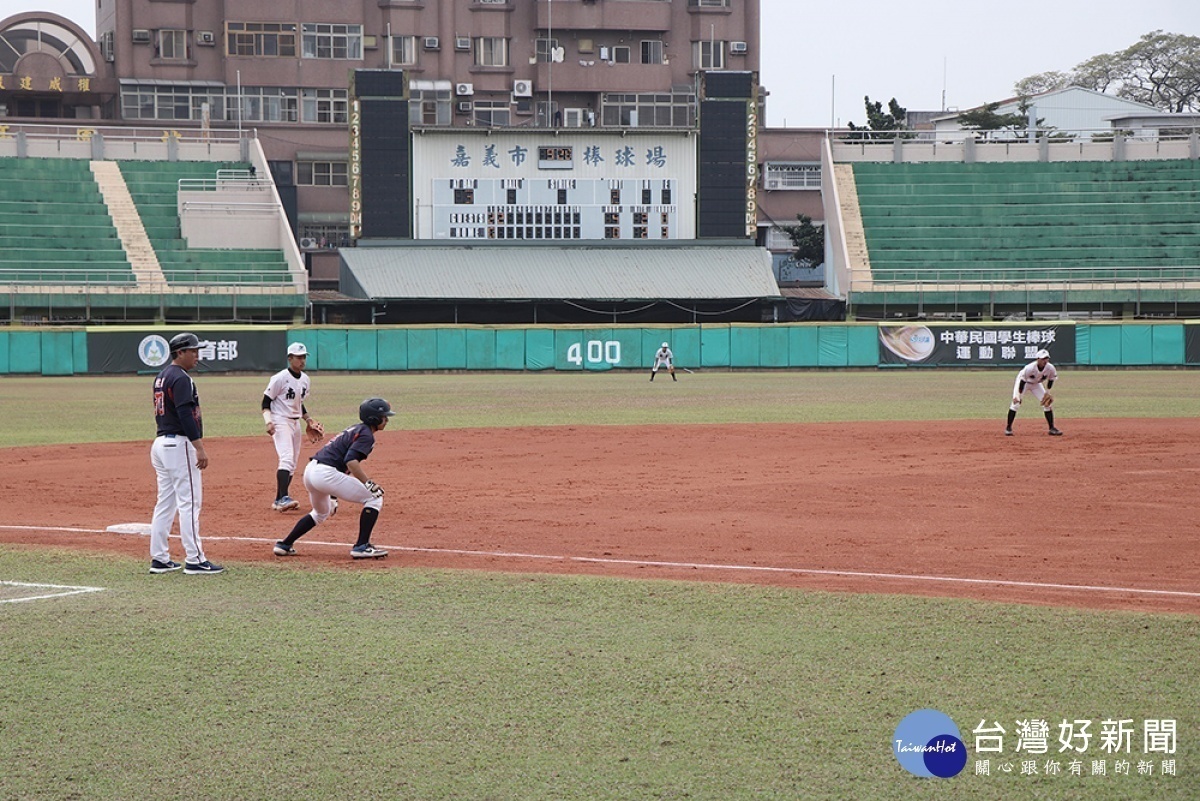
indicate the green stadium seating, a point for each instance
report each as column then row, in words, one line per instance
column 154, row 187
column 55, row 227
column 1031, row 221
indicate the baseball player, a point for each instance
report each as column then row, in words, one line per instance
column 178, row 457
column 663, row 357
column 283, row 410
column 1036, row 378
column 335, row 472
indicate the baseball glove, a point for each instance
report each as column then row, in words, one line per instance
column 316, row 431
column 1047, row 399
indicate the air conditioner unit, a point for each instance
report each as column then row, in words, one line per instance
column 463, row 107
column 522, row 89
column 205, row 38
column 773, row 182
column 462, row 42
column 308, row 243
column 370, row 42
column 738, row 47
column 432, row 43
column 106, row 46
column 141, row 36
column 574, row 117
column 462, row 89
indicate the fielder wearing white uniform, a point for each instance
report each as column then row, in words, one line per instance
column 178, row 456
column 663, row 357
column 1036, row 378
column 285, row 414
column 336, row 472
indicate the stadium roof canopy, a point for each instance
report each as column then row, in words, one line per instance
column 681, row 270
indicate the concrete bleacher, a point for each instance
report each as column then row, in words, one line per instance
column 55, row 228
column 997, row 222
column 154, row 186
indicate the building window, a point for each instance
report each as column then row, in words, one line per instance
column 321, row 173
column 324, row 105
column 620, row 54
column 163, row 102
column 172, row 45
column 326, row 236
column 710, row 55
column 491, row 113
column 260, row 39
column 430, row 102
column 652, row 51
column 334, row 41
column 546, row 49
column 648, row 110
column 262, row 104
column 404, row 50
column 491, row 51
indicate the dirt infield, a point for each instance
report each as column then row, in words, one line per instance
column 1102, row 517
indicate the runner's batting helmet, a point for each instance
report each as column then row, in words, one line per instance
column 184, row 341
column 373, row 410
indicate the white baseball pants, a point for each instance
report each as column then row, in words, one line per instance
column 179, row 491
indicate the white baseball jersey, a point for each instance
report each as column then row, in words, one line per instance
column 287, row 392
column 663, row 357
column 1031, row 375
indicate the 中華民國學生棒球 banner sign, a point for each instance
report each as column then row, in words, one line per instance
column 974, row 344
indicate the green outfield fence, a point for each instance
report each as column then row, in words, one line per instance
column 73, row 351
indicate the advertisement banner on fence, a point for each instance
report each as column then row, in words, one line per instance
column 1191, row 343
column 227, row 350
column 977, row 344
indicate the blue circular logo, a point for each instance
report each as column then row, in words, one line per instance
column 927, row 743
column 154, row 351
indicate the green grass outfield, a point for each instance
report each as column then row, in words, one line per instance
column 387, row 682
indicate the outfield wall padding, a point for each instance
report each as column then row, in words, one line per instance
column 65, row 351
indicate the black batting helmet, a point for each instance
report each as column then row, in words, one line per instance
column 373, row 410
column 184, row 341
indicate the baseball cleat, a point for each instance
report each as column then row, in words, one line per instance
column 1054, row 432
column 205, row 568
column 283, row 550
column 367, row 551
column 164, row 567
column 285, row 503
column 1008, row 432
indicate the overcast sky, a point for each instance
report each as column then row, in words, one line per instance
column 820, row 58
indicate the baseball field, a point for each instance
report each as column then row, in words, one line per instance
column 733, row 586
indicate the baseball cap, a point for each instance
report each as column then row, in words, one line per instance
column 297, row 349
column 1043, row 354
column 665, row 345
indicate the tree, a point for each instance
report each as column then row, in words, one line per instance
column 1041, row 83
column 986, row 119
column 881, row 124
column 808, row 239
column 1160, row 70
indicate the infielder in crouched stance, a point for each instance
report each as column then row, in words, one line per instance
column 335, row 472
column 1036, row 378
column 663, row 357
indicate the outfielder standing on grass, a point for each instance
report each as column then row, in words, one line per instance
column 663, row 357
column 178, row 456
column 283, row 410
column 335, row 472
column 1036, row 378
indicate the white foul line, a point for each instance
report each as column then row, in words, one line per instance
column 1038, row 585
column 73, row 591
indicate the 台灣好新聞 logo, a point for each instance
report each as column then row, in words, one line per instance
column 928, row 743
